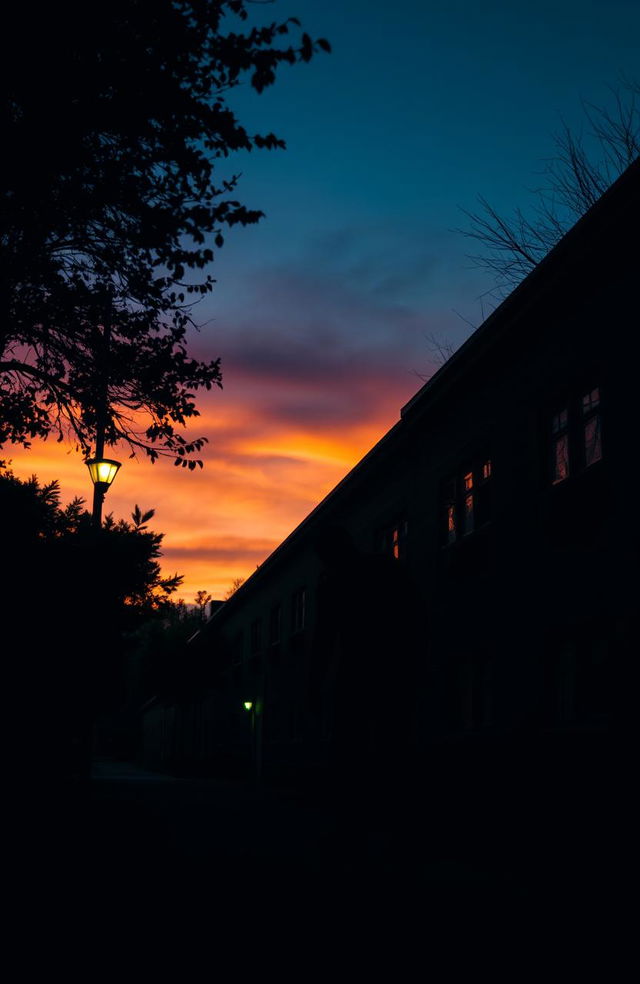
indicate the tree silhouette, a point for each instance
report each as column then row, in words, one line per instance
column 235, row 584
column 74, row 597
column 114, row 123
column 39, row 534
column 578, row 174
column 202, row 600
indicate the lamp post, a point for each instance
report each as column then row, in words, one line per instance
column 102, row 470
column 255, row 709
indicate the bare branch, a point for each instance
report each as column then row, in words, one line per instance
column 574, row 179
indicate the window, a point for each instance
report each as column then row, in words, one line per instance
column 560, row 445
column 392, row 540
column 275, row 625
column 576, row 436
column 466, row 502
column 467, row 514
column 591, row 436
column 298, row 606
column 450, row 511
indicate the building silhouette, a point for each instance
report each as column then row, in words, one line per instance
column 462, row 609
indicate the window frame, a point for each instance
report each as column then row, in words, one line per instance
column 578, row 416
column 392, row 538
column 298, row 610
column 460, row 493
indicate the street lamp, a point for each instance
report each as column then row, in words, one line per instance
column 102, row 471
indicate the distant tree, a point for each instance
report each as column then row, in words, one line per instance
column 235, row 584
column 114, row 122
column 582, row 168
column 202, row 600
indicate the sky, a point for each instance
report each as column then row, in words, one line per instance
column 324, row 314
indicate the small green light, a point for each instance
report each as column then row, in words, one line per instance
column 248, row 704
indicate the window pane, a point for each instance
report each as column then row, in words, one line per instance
column 468, row 514
column 468, row 481
column 560, row 458
column 592, row 440
column 559, row 423
column 591, row 400
column 486, row 469
column 451, row 523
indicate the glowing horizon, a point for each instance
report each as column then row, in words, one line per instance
column 262, row 475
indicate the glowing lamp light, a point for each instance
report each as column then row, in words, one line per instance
column 102, row 470
column 248, row 704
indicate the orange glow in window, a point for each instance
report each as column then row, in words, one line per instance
column 561, row 459
column 451, row 522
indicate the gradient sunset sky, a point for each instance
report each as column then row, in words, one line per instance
column 322, row 311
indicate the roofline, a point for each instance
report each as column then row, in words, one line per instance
column 518, row 295
column 275, row 555
column 505, row 310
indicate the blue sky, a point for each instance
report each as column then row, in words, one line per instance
column 419, row 108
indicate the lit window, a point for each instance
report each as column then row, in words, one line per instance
column 560, row 446
column 466, row 501
column 450, row 507
column 592, row 440
column 576, row 436
column 392, row 541
column 451, row 523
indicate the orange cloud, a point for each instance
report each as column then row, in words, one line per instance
column 265, row 468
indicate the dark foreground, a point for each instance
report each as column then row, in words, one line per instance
column 148, row 853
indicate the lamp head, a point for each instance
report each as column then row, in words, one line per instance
column 102, row 470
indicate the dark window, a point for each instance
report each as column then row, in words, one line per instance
column 298, row 610
column 275, row 625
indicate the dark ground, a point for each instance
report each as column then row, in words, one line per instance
column 135, row 852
